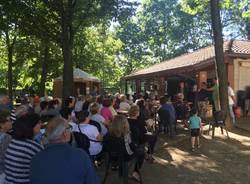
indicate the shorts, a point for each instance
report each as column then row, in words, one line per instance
column 195, row 132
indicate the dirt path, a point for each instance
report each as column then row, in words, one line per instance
column 218, row 161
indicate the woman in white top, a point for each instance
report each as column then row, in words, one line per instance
column 89, row 130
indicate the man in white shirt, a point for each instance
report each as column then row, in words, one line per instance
column 231, row 101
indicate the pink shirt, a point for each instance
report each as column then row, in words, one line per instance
column 106, row 113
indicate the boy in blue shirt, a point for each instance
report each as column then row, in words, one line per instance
column 195, row 126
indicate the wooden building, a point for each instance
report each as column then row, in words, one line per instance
column 191, row 69
column 84, row 83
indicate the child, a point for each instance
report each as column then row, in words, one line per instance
column 195, row 126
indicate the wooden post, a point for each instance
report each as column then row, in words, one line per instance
column 138, row 86
column 126, row 87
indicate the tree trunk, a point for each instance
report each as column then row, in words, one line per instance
column 10, row 48
column 67, row 44
column 219, row 56
column 44, row 70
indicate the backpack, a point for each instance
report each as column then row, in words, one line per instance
column 82, row 140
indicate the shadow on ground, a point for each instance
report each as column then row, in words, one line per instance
column 219, row 160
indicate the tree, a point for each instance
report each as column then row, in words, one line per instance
column 8, row 27
column 160, row 30
column 219, row 56
column 237, row 14
column 134, row 53
column 93, row 49
column 75, row 14
column 168, row 30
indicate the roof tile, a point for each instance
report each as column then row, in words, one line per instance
column 196, row 57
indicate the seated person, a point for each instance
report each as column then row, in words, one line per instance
column 118, row 140
column 106, row 112
column 66, row 164
column 89, row 130
column 124, row 105
column 139, row 133
column 95, row 116
column 22, row 149
column 5, row 138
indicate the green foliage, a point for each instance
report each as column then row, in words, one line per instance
column 38, row 23
column 95, row 52
column 235, row 15
column 111, row 39
column 134, row 54
column 169, row 31
column 3, row 64
column 194, row 6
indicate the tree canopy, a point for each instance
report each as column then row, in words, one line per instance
column 43, row 39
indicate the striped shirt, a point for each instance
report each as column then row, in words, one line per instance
column 17, row 160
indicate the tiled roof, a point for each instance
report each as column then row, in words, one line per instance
column 195, row 58
column 79, row 74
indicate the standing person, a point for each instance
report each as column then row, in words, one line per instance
column 59, row 162
column 164, row 116
column 5, row 138
column 215, row 94
column 195, row 127
column 231, row 101
column 22, row 149
column 203, row 101
column 167, row 116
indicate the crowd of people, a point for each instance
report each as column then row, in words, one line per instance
column 42, row 140
column 39, row 138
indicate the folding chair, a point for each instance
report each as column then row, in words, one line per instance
column 219, row 122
